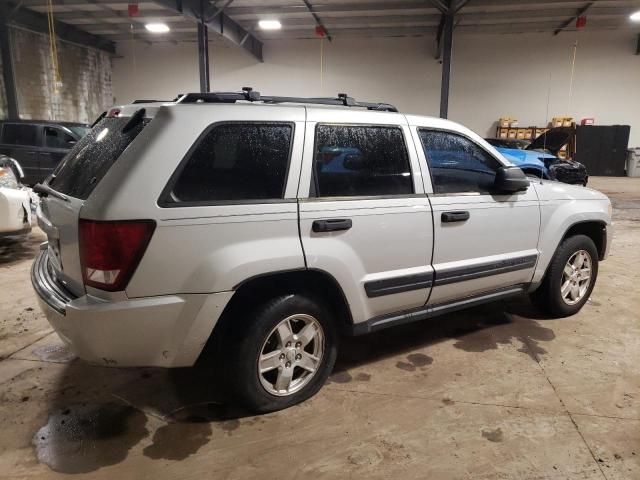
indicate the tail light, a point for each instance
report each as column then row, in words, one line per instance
column 110, row 251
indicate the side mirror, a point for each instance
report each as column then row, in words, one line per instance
column 510, row 180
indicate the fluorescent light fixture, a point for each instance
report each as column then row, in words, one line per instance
column 157, row 27
column 270, row 24
column 635, row 16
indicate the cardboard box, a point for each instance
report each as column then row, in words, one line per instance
column 512, row 133
column 528, row 133
column 503, row 133
column 513, row 123
column 520, row 133
column 557, row 121
column 567, row 122
column 504, row 122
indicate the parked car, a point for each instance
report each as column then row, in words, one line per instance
column 513, row 143
column 15, row 201
column 38, row 145
column 539, row 158
column 280, row 254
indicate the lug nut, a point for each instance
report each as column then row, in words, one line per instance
column 282, row 356
column 298, row 357
column 288, row 364
column 298, row 344
column 288, row 344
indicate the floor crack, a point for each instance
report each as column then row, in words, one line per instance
column 525, row 340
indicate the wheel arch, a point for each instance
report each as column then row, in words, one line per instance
column 260, row 288
column 594, row 229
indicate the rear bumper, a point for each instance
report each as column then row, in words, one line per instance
column 163, row 331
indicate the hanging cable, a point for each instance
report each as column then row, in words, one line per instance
column 57, row 79
column 321, row 65
column 573, row 69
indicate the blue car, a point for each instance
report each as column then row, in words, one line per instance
column 539, row 157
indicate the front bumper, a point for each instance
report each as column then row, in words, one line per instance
column 15, row 212
column 163, row 331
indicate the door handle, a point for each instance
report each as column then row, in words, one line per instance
column 332, row 225
column 458, row 216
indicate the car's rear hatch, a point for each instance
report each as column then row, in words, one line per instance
column 65, row 192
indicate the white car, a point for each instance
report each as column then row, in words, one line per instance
column 262, row 227
column 15, row 201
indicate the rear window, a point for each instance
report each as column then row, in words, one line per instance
column 92, row 157
column 19, row 134
column 234, row 162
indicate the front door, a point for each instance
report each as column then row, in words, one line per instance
column 484, row 242
column 366, row 221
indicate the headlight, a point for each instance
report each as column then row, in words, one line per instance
column 8, row 178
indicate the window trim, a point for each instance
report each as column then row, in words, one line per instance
column 38, row 136
column 313, row 194
column 59, row 128
column 426, row 158
column 164, row 200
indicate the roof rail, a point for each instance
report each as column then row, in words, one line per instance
column 250, row 95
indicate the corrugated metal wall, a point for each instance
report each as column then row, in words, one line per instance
column 86, row 79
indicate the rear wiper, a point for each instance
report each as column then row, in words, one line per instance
column 45, row 190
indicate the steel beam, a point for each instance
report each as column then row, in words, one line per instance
column 316, row 18
column 203, row 57
column 568, row 22
column 447, row 48
column 7, row 67
column 219, row 23
column 38, row 22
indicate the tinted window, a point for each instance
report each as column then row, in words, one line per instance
column 361, row 161
column 57, row 138
column 236, row 162
column 457, row 164
column 19, row 134
column 92, row 157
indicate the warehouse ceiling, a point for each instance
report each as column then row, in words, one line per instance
column 341, row 18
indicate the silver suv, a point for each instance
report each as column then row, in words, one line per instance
column 266, row 226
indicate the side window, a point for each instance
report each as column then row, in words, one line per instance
column 457, row 164
column 236, row 161
column 56, row 138
column 360, row 160
column 19, row 134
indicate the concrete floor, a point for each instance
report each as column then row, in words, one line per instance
column 492, row 393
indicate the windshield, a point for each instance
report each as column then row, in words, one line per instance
column 79, row 130
column 92, row 157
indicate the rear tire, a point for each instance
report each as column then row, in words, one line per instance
column 281, row 353
column 570, row 277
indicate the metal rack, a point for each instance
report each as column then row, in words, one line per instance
column 249, row 95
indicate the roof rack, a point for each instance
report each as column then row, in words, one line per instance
column 250, row 95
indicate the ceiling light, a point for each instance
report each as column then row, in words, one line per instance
column 270, row 24
column 157, row 27
column 635, row 16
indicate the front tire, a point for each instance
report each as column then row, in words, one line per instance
column 282, row 353
column 570, row 277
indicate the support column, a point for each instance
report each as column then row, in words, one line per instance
column 446, row 64
column 203, row 57
column 7, row 69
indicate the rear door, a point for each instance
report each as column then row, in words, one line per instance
column 74, row 180
column 364, row 217
column 20, row 141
